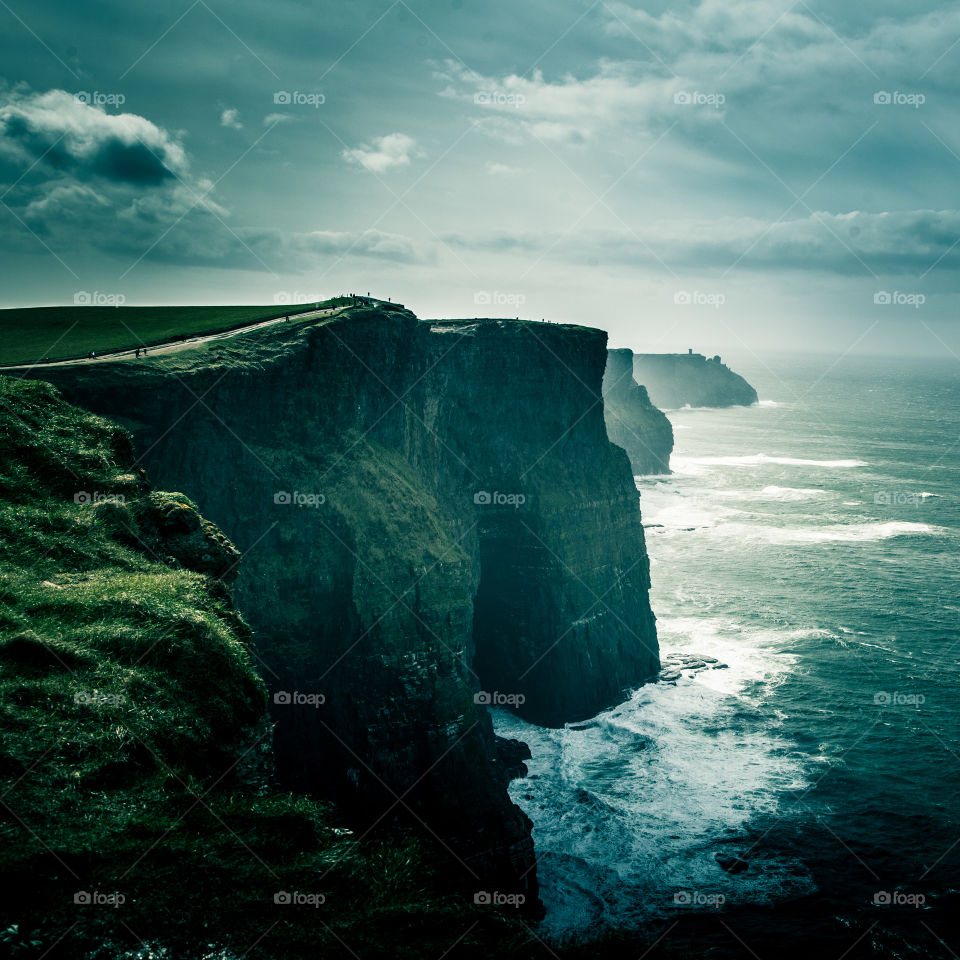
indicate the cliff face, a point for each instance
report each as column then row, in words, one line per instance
column 633, row 422
column 432, row 519
column 135, row 748
column 676, row 380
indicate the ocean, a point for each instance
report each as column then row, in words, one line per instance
column 807, row 549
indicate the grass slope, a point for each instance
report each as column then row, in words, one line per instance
column 33, row 334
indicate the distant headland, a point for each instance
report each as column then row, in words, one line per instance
column 675, row 380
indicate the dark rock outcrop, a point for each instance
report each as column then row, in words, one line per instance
column 432, row 519
column 731, row 864
column 170, row 528
column 512, row 754
column 633, row 422
column 676, row 380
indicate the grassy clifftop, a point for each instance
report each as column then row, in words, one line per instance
column 34, row 334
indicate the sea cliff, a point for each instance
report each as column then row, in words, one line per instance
column 432, row 519
column 633, row 422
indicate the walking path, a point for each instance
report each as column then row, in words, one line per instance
column 174, row 346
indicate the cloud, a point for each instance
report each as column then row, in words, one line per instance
column 571, row 109
column 272, row 250
column 66, row 200
column 502, row 170
column 852, row 243
column 786, row 81
column 231, row 118
column 366, row 243
column 84, row 173
column 718, row 26
column 59, row 132
column 272, row 119
column 393, row 150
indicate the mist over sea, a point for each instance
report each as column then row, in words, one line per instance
column 808, row 546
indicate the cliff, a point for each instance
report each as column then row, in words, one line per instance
column 139, row 806
column 675, row 380
column 633, row 422
column 431, row 519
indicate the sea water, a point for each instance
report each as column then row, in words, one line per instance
column 808, row 547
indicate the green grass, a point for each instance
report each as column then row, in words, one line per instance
column 33, row 334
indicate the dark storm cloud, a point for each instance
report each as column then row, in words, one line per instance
column 58, row 130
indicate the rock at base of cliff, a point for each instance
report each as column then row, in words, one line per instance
column 512, row 753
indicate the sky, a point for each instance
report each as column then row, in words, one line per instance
column 727, row 175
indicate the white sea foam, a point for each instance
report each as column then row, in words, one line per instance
column 767, row 403
column 772, row 493
column 687, row 515
column 634, row 805
column 668, row 511
column 683, row 464
column 832, row 533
